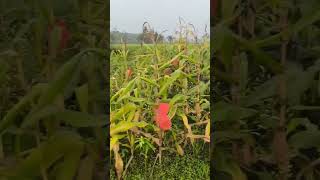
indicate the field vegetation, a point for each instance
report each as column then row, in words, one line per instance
column 266, row 91
column 160, row 108
column 53, row 89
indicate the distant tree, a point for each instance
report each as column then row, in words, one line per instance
column 140, row 38
column 196, row 39
column 113, row 37
column 125, row 38
column 155, row 36
column 170, row 39
column 159, row 37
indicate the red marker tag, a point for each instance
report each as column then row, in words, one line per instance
column 162, row 119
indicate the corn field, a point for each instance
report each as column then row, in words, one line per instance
column 72, row 109
column 265, row 89
column 174, row 77
column 53, row 100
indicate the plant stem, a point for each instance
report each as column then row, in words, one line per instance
column 160, row 147
column 21, row 73
column 235, row 91
column 43, row 170
column 1, row 148
column 126, row 168
column 280, row 141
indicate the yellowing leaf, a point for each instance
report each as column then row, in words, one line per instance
column 125, row 126
column 207, row 132
column 114, row 139
column 131, row 115
column 118, row 161
column 122, row 111
column 179, row 150
column 137, row 115
column 186, row 124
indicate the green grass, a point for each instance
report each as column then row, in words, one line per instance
column 172, row 168
column 195, row 164
column 118, row 46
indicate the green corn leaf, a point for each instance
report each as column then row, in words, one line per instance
column 269, row 41
column 300, row 81
column 306, row 21
column 122, row 111
column 123, row 97
column 225, row 164
column 82, row 94
column 260, row 56
column 169, row 62
column 225, row 45
column 63, row 77
column 266, row 90
column 308, row 108
column 14, row 111
column 150, row 81
column 225, row 136
column 72, row 118
column 81, row 119
column 124, row 91
column 59, row 145
column 228, row 112
column 177, row 98
column 135, row 99
column 33, row 117
column 124, row 126
column 203, row 87
column 305, row 139
column 172, row 111
column 228, row 7
column 295, row 122
column 69, row 166
column 174, row 76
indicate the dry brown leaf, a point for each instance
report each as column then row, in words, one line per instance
column 118, row 161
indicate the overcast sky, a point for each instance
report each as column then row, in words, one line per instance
column 129, row 15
